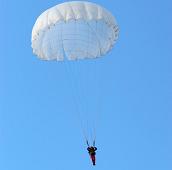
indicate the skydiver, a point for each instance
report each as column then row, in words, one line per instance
column 92, row 153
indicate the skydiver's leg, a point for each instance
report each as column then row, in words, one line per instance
column 93, row 158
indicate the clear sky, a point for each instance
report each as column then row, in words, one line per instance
column 38, row 126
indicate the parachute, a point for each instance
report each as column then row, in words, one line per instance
column 73, row 31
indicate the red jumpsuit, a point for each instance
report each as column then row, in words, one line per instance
column 92, row 153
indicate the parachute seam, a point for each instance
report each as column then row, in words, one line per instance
column 72, row 11
column 96, row 37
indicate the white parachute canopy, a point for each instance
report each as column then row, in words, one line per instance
column 74, row 30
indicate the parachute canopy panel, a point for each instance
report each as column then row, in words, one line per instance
column 74, row 30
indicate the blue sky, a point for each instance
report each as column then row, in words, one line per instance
column 38, row 126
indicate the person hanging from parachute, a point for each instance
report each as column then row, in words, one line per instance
column 73, row 31
column 92, row 152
